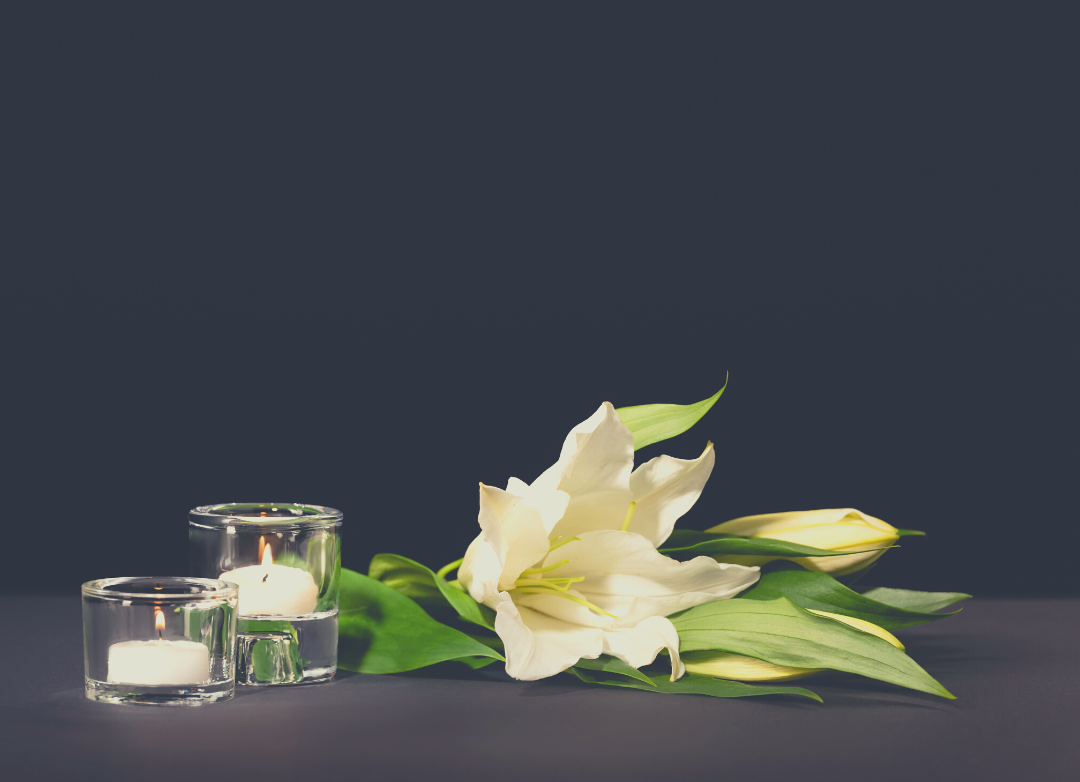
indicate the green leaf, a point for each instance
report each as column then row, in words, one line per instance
column 653, row 423
column 692, row 684
column 780, row 632
column 422, row 584
column 905, row 532
column 691, row 543
column 407, row 577
column 915, row 601
column 382, row 631
column 614, row 665
column 822, row 592
column 476, row 663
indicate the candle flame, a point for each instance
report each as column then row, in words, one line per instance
column 159, row 621
column 267, row 559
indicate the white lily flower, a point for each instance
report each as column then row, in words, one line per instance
column 569, row 563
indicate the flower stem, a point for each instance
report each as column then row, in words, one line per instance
column 447, row 568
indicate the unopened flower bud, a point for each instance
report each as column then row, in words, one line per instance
column 723, row 665
column 838, row 529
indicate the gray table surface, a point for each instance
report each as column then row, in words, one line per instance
column 1012, row 663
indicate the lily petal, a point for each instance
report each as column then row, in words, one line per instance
column 514, row 526
column 480, row 571
column 538, row 646
column 566, row 610
column 626, row 576
column 594, row 469
column 664, row 489
column 639, row 645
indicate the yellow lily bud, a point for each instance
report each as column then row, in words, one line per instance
column 723, row 665
column 862, row 624
column 838, row 529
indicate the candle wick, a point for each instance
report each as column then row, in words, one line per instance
column 159, row 635
column 265, row 577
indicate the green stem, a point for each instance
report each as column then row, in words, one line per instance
column 447, row 568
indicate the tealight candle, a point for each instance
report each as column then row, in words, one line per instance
column 287, row 626
column 159, row 661
column 162, row 640
column 273, row 590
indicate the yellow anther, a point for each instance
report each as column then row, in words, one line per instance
column 629, row 515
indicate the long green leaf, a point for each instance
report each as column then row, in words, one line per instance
column 653, row 423
column 693, row 684
column 476, row 663
column 915, row 601
column 686, row 544
column 382, row 631
column 614, row 665
column 822, row 592
column 905, row 532
column 780, row 632
column 422, row 585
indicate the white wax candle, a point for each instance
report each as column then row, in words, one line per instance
column 273, row 590
column 159, row 663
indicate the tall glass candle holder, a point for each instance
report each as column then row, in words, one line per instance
column 159, row 640
column 286, row 559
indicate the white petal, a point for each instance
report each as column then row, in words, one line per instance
column 495, row 504
column 626, row 576
column 664, row 489
column 480, row 571
column 639, row 645
column 538, row 646
column 550, row 502
column 566, row 610
column 594, row 469
column 518, row 487
column 514, row 526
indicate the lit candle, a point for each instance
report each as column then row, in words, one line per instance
column 159, row 662
column 273, row 590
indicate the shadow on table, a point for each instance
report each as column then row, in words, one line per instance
column 836, row 689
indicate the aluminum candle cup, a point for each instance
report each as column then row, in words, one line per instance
column 159, row 640
column 286, row 559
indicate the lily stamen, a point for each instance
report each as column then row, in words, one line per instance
column 551, row 583
column 629, row 515
column 535, row 590
column 561, row 542
column 536, row 570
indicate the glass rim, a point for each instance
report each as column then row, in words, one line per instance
column 231, row 514
column 210, row 588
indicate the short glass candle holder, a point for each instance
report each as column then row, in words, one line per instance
column 286, row 559
column 164, row 641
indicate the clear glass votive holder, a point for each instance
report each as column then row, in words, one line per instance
column 166, row 641
column 286, row 559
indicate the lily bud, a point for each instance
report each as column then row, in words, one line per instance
column 862, row 624
column 723, row 665
column 838, row 529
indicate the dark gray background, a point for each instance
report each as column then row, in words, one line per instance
column 1012, row 664
column 368, row 256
